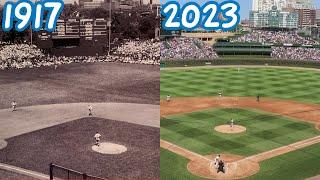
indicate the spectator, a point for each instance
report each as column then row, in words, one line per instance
column 275, row 37
column 186, row 48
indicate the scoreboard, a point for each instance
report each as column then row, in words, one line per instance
column 82, row 29
column 86, row 28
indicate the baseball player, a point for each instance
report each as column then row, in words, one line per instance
column 221, row 167
column 168, row 98
column 231, row 123
column 216, row 161
column 90, row 108
column 97, row 137
column 220, row 94
column 258, row 98
column 14, row 105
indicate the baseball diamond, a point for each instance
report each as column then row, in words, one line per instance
column 51, row 122
column 280, row 116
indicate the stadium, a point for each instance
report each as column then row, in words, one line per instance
column 252, row 101
column 73, row 107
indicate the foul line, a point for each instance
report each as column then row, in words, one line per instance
column 257, row 158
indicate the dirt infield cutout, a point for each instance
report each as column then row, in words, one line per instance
column 234, row 169
column 238, row 167
column 287, row 108
column 230, row 130
column 3, row 144
column 109, row 148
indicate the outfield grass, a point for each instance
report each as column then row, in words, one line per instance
column 294, row 165
column 194, row 131
column 301, row 85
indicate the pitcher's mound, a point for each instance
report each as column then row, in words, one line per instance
column 3, row 144
column 109, row 148
column 230, row 130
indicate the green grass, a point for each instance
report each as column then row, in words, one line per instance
column 294, row 165
column 265, row 131
column 174, row 171
column 194, row 131
column 297, row 165
column 301, row 85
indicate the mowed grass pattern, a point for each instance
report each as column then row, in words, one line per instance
column 301, row 85
column 294, row 165
column 174, row 171
column 195, row 131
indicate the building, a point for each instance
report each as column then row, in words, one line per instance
column 307, row 17
column 300, row 4
column 315, row 32
column 318, row 17
column 262, row 5
column 273, row 18
column 81, row 2
column 266, row 5
column 115, row 4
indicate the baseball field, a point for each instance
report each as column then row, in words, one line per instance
column 280, row 135
column 51, row 123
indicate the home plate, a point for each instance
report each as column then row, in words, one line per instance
column 109, row 148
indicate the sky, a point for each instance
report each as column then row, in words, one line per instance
column 245, row 5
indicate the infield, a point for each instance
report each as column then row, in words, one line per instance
column 69, row 144
column 284, row 122
column 51, row 123
column 265, row 131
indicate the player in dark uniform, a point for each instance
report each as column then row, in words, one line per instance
column 221, row 167
column 258, row 98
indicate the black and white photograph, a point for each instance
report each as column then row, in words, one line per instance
column 82, row 102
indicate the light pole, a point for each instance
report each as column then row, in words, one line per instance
column 109, row 23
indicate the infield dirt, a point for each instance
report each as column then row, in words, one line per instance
column 288, row 108
column 238, row 167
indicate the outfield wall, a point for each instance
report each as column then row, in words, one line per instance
column 239, row 61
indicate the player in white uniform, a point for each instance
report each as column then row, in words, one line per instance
column 97, row 137
column 216, row 161
column 14, row 105
column 231, row 123
column 168, row 98
column 90, row 108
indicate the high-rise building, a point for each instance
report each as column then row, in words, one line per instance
column 318, row 17
column 273, row 18
column 262, row 5
column 301, row 4
column 307, row 17
column 281, row 4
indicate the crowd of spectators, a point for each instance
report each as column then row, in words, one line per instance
column 275, row 37
column 186, row 48
column 142, row 52
column 296, row 53
column 28, row 56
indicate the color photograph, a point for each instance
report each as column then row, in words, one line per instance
column 82, row 102
column 244, row 103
